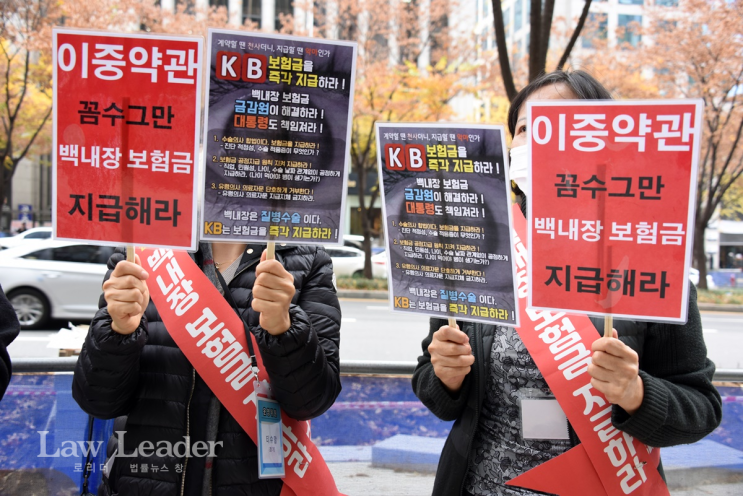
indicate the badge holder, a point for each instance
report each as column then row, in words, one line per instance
column 541, row 416
column 268, row 411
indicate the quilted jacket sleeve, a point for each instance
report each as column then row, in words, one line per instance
column 107, row 372
column 429, row 388
column 303, row 363
column 681, row 405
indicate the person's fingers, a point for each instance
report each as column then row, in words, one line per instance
column 448, row 333
column 125, row 310
column 269, row 309
column 272, row 281
column 125, row 282
column 599, row 373
column 125, row 268
column 124, row 295
column 610, row 362
column 453, row 361
column 272, row 267
column 448, row 348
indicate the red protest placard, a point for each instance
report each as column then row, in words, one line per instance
column 612, row 206
column 126, row 111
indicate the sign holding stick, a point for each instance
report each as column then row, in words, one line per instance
column 126, row 128
column 277, row 138
column 612, row 206
column 446, row 200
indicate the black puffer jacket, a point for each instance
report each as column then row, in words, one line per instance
column 147, row 378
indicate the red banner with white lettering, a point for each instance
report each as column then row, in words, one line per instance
column 607, row 461
column 612, row 206
column 211, row 335
column 126, row 143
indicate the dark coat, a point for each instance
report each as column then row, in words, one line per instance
column 146, row 377
column 9, row 329
column 680, row 405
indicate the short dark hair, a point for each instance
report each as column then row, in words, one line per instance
column 585, row 86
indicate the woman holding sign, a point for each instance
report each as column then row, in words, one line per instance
column 174, row 433
column 657, row 376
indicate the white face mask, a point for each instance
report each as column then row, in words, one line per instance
column 519, row 168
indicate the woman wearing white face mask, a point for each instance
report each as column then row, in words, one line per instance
column 657, row 375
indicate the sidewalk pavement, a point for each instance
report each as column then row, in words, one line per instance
column 362, row 479
column 384, row 295
column 405, row 465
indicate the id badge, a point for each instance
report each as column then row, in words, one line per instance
column 270, row 445
column 541, row 416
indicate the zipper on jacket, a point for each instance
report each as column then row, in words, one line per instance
column 188, row 428
column 476, row 376
column 193, row 386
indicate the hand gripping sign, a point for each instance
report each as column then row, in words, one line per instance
column 608, row 461
column 211, row 335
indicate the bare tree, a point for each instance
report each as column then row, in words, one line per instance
column 540, row 21
column 392, row 37
column 698, row 53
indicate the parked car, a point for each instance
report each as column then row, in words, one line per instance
column 53, row 279
column 379, row 261
column 349, row 262
column 353, row 241
column 694, row 277
column 34, row 233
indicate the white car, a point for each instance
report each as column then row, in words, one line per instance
column 35, row 233
column 694, row 277
column 349, row 262
column 53, row 279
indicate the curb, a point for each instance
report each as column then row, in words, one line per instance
column 364, row 294
column 384, row 295
column 714, row 307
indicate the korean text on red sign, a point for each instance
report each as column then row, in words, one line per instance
column 126, row 137
column 612, row 205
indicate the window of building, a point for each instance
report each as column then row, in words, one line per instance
column 518, row 15
column 629, row 26
column 507, row 21
column 630, row 2
column 667, row 3
column 596, row 28
column 282, row 7
column 252, row 11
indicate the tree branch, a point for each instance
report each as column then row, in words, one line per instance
column 547, row 15
column 504, row 61
column 574, row 37
column 535, row 43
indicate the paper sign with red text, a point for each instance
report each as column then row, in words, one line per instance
column 126, row 135
column 560, row 345
column 613, row 187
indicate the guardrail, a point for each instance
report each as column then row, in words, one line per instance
column 348, row 367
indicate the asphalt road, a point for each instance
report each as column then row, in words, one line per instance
column 371, row 331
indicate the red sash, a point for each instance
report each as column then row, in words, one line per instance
column 212, row 337
column 608, row 461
